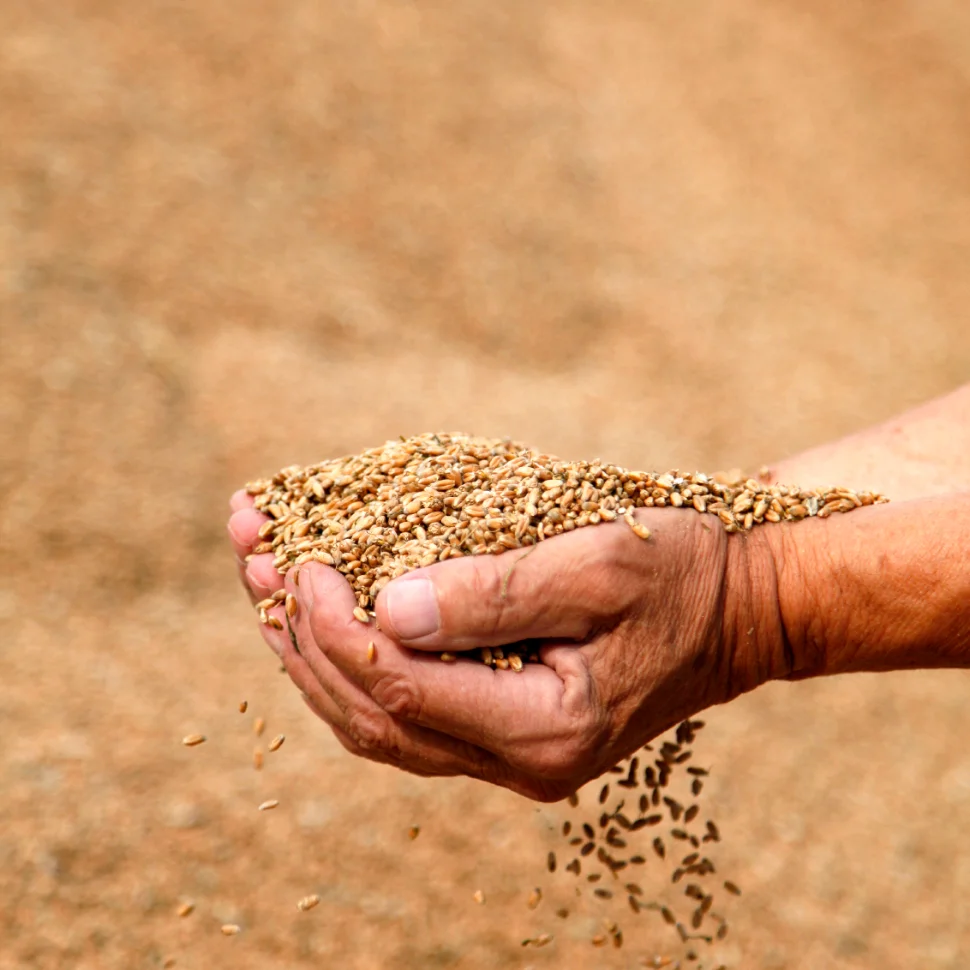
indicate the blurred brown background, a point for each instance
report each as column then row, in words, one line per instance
column 238, row 235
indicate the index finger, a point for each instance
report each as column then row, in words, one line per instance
column 505, row 712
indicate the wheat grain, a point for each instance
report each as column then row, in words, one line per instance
column 420, row 500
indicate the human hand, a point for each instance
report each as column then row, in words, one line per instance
column 634, row 636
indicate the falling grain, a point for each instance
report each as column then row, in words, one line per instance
column 191, row 740
column 268, row 805
column 308, row 902
column 277, row 742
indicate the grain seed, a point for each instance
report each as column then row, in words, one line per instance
column 230, row 929
column 185, row 909
column 731, row 888
column 479, row 897
column 191, row 740
column 371, row 652
column 361, row 614
column 291, row 605
column 259, row 725
column 551, row 862
column 258, row 759
column 269, row 804
column 277, row 742
column 535, row 897
column 414, row 832
column 243, row 706
column 308, row 902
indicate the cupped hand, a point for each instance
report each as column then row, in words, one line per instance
column 634, row 635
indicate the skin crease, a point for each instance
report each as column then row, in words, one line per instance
column 640, row 634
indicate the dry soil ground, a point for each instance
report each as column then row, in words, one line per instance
column 234, row 235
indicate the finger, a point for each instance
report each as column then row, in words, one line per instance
column 558, row 588
column 539, row 789
column 508, row 714
column 378, row 756
column 262, row 576
column 240, row 499
column 350, row 708
column 243, row 528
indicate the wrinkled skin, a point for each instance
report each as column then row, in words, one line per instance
column 635, row 636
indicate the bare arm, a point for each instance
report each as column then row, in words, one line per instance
column 886, row 587
column 925, row 451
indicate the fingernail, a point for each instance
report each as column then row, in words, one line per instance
column 233, row 534
column 412, row 607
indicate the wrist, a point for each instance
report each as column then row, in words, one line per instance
column 880, row 588
column 756, row 642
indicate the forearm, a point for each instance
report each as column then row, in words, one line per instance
column 925, row 451
column 881, row 588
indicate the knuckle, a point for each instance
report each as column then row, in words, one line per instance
column 368, row 730
column 398, row 696
column 490, row 589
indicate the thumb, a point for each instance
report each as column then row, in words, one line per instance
column 555, row 589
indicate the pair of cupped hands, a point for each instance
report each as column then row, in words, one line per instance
column 635, row 635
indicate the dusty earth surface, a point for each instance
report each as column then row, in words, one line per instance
column 238, row 235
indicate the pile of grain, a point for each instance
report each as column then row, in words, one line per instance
column 429, row 498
